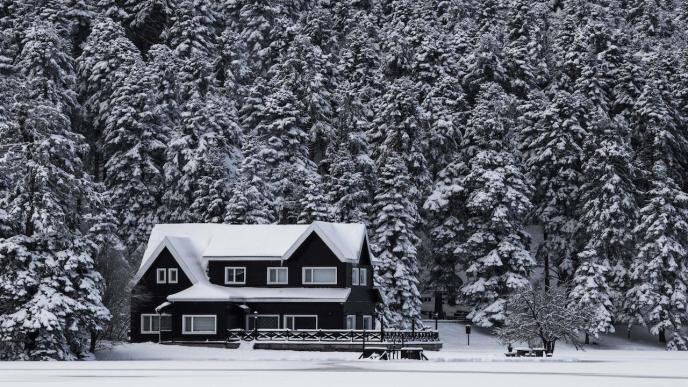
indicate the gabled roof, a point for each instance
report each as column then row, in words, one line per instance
column 193, row 243
column 187, row 255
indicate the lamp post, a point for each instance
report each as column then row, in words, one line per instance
column 437, row 316
column 255, row 325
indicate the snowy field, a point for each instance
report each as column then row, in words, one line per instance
column 613, row 362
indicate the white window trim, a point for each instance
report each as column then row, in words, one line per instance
column 372, row 322
column 355, row 276
column 277, row 282
column 150, row 332
column 169, row 276
column 164, row 276
column 365, row 278
column 234, row 268
column 303, row 275
column 349, row 316
column 300, row 315
column 251, row 316
column 185, row 332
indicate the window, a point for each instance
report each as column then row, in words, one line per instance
column 278, row 275
column 153, row 323
column 297, row 322
column 235, row 275
column 265, row 321
column 359, row 276
column 368, row 322
column 350, row 321
column 199, row 324
column 320, row 275
column 172, row 276
column 161, row 276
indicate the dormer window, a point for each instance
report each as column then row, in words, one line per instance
column 235, row 275
column 359, row 276
column 161, row 276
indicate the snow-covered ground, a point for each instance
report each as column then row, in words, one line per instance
column 613, row 362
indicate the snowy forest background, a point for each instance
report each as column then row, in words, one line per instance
column 447, row 126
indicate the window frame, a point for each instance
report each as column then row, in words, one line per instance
column 303, row 275
column 278, row 268
column 151, row 316
column 159, row 271
column 287, row 316
column 355, row 276
column 251, row 316
column 185, row 332
column 348, row 318
column 363, row 275
column 169, row 275
column 372, row 322
column 234, row 269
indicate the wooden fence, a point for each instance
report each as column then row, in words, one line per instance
column 333, row 335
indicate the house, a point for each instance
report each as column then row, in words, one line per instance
column 196, row 281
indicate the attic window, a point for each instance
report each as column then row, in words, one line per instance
column 172, row 276
column 161, row 276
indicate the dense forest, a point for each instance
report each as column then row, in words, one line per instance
column 447, row 126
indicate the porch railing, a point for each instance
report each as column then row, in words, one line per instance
column 333, row 335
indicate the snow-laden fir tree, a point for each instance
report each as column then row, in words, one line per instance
column 608, row 215
column 251, row 201
column 393, row 243
column 49, row 290
column 659, row 273
column 497, row 194
column 102, row 67
column 201, row 159
column 314, row 204
column 134, row 146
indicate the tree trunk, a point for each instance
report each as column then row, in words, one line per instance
column 546, row 268
column 628, row 332
column 94, row 339
column 662, row 336
column 587, row 338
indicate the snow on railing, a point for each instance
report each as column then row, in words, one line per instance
column 333, row 335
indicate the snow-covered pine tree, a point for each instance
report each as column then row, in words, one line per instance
column 134, row 146
column 314, row 203
column 608, row 216
column 201, row 159
column 659, row 273
column 251, row 201
column 497, row 201
column 49, row 290
column 393, row 244
column 102, row 67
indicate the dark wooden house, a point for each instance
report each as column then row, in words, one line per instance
column 196, row 281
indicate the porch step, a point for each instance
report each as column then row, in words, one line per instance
column 212, row 344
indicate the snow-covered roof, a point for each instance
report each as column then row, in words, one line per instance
column 195, row 242
column 184, row 250
column 210, row 292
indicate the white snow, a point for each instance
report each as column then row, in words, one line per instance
column 211, row 292
column 614, row 362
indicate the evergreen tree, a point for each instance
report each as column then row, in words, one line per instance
column 393, row 244
column 314, row 203
column 497, row 200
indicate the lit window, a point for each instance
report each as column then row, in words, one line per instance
column 320, row 275
column 161, row 276
column 235, row 275
column 199, row 325
column 172, row 276
column 278, row 276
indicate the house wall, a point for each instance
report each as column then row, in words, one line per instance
column 313, row 252
column 147, row 294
